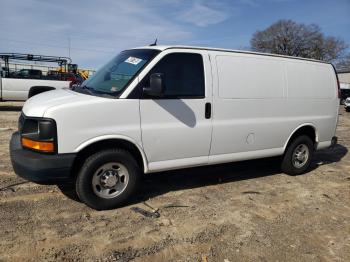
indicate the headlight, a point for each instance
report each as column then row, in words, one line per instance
column 38, row 134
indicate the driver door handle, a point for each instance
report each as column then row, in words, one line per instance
column 207, row 110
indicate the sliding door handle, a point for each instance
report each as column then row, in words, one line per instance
column 207, row 110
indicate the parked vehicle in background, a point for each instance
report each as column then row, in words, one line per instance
column 79, row 73
column 22, row 84
column 75, row 79
column 28, row 74
column 20, row 89
column 344, row 91
column 347, row 104
column 168, row 107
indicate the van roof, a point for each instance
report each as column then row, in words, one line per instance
column 164, row 47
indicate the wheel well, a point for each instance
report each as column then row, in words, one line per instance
column 35, row 90
column 106, row 144
column 304, row 130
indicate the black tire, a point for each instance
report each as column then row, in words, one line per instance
column 84, row 180
column 347, row 109
column 287, row 162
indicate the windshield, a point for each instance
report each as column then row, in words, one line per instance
column 115, row 76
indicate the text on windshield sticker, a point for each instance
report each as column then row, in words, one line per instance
column 133, row 60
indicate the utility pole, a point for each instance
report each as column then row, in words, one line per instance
column 69, row 43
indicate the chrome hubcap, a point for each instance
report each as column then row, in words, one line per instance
column 300, row 156
column 110, row 180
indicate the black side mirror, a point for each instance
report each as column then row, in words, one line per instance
column 156, row 85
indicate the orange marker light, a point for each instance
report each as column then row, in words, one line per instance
column 40, row 146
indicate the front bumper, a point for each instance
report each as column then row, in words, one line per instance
column 38, row 167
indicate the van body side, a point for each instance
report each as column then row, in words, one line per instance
column 160, row 108
column 259, row 102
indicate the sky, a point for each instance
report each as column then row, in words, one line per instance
column 98, row 30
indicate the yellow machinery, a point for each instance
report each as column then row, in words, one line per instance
column 73, row 68
column 83, row 73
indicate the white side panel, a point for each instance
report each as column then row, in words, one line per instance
column 217, row 159
column 310, row 80
column 312, row 94
column 324, row 144
column 177, row 163
column 18, row 89
column 247, row 76
column 233, row 157
column 248, row 119
column 89, row 119
column 175, row 129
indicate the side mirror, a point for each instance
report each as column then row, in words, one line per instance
column 156, row 85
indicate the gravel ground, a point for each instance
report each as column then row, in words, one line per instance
column 245, row 211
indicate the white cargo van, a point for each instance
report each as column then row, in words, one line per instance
column 168, row 107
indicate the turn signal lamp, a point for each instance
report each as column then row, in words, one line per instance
column 37, row 145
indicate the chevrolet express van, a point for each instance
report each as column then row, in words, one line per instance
column 168, row 107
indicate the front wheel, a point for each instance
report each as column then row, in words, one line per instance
column 297, row 158
column 107, row 179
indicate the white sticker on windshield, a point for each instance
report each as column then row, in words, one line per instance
column 133, row 60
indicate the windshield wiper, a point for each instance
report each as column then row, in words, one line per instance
column 89, row 89
column 93, row 91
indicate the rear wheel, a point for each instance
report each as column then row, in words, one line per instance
column 107, row 179
column 297, row 158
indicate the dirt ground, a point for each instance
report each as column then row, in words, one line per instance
column 246, row 211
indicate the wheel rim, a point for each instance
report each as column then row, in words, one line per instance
column 110, row 180
column 300, row 156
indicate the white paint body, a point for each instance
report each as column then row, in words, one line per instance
column 258, row 102
column 13, row 89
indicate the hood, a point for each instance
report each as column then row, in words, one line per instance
column 37, row 105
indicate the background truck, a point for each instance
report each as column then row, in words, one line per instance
column 19, row 85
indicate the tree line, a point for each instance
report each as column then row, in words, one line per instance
column 287, row 37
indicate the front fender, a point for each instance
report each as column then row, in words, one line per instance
column 119, row 137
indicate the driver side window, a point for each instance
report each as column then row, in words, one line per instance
column 183, row 75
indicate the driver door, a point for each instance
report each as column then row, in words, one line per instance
column 176, row 129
